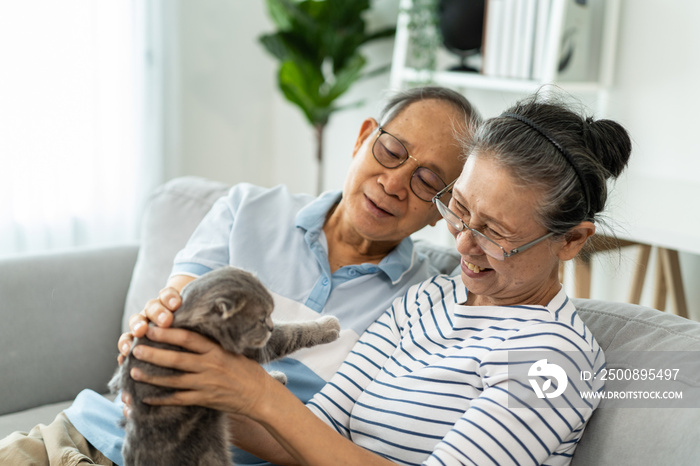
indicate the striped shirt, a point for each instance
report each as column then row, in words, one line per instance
column 429, row 382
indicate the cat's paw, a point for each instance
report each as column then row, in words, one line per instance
column 281, row 377
column 331, row 328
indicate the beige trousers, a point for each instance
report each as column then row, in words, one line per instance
column 58, row 444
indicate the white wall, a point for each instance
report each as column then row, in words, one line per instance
column 230, row 121
column 657, row 96
column 221, row 90
column 232, row 125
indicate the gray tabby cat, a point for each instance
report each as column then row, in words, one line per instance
column 231, row 307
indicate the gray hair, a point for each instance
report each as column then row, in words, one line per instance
column 567, row 156
column 401, row 100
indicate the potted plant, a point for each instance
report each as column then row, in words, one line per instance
column 318, row 44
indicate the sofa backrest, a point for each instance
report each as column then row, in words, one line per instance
column 60, row 314
column 639, row 435
column 172, row 213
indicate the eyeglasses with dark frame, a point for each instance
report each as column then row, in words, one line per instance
column 488, row 245
column 391, row 153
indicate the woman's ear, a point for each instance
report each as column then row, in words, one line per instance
column 575, row 239
column 367, row 128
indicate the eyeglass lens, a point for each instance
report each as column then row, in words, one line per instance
column 485, row 243
column 391, row 153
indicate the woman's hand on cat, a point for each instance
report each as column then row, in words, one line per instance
column 212, row 377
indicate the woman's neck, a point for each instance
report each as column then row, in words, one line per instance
column 541, row 297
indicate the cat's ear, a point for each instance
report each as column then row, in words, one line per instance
column 227, row 308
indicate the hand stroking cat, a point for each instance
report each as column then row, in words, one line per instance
column 231, row 307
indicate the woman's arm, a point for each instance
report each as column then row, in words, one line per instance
column 239, row 386
column 295, row 436
column 310, row 441
column 252, row 437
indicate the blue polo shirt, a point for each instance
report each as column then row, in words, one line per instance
column 278, row 236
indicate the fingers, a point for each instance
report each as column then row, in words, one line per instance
column 179, row 398
column 159, row 310
column 170, row 298
column 179, row 381
column 138, row 324
column 164, row 358
column 183, row 361
column 205, row 386
column 124, row 346
column 189, row 340
column 126, row 408
column 207, row 374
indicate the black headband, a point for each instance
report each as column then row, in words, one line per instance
column 559, row 147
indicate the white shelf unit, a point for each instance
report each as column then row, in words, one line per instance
column 403, row 75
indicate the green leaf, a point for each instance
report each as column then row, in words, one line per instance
column 346, row 77
column 275, row 44
column 277, row 13
column 300, row 85
column 297, row 14
column 318, row 44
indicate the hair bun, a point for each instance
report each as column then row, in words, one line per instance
column 609, row 142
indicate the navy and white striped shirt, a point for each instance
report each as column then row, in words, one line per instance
column 429, row 383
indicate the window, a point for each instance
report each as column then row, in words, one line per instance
column 71, row 127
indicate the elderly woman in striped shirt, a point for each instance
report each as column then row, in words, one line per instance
column 478, row 369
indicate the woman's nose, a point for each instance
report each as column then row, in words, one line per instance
column 466, row 243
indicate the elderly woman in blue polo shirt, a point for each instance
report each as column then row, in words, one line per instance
column 344, row 253
column 482, row 369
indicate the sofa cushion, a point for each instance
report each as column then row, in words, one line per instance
column 629, row 327
column 60, row 314
column 24, row 421
column 640, row 435
column 171, row 215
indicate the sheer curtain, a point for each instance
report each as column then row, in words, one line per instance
column 72, row 167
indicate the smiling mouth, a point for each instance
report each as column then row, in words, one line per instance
column 374, row 204
column 475, row 268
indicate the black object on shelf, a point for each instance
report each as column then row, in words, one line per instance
column 462, row 26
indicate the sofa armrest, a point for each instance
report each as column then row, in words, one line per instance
column 60, row 315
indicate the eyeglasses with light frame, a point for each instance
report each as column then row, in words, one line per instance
column 488, row 245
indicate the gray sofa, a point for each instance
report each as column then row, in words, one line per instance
column 61, row 315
